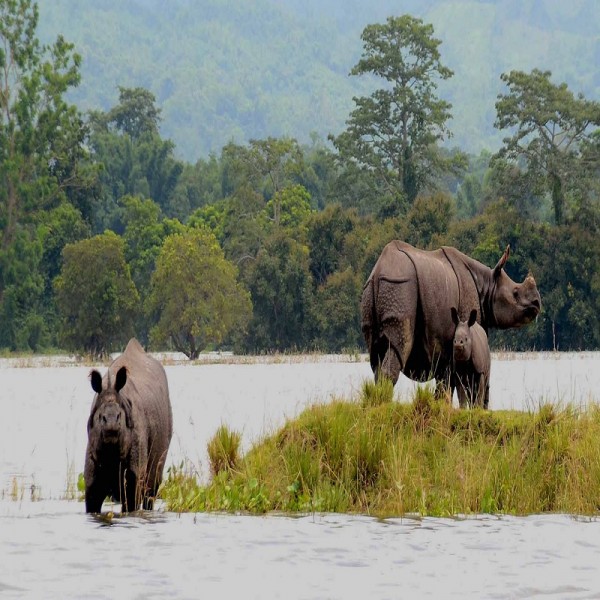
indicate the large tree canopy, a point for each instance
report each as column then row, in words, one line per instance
column 550, row 126
column 41, row 162
column 195, row 294
column 393, row 133
column 96, row 295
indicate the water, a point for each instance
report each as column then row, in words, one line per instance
column 51, row 549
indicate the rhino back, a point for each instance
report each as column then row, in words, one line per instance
column 148, row 391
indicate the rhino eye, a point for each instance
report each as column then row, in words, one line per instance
column 516, row 294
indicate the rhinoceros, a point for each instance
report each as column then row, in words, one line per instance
column 471, row 361
column 406, row 301
column 129, row 431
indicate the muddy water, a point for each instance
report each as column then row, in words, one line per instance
column 50, row 549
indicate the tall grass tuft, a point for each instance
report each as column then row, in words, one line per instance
column 377, row 393
column 424, row 457
column 224, row 450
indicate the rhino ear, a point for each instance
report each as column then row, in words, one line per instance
column 96, row 380
column 502, row 261
column 121, row 379
column 455, row 318
column 472, row 318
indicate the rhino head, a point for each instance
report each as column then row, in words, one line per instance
column 463, row 340
column 513, row 304
column 111, row 421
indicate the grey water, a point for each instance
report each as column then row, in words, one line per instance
column 49, row 547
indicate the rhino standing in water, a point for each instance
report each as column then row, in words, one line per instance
column 129, row 432
column 471, row 362
column 406, row 302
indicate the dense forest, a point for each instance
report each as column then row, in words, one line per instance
column 226, row 71
column 265, row 245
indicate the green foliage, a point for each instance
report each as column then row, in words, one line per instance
column 266, row 165
column 21, row 305
column 40, row 134
column 428, row 219
column 41, row 158
column 289, row 210
column 281, row 289
column 327, row 236
column 337, row 313
column 394, row 132
column 195, row 294
column 96, row 296
column 135, row 159
column 551, row 125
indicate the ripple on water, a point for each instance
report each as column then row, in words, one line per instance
column 316, row 556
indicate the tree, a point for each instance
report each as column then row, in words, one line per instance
column 144, row 234
column 39, row 132
column 266, row 165
column 289, row 209
column 135, row 159
column 551, row 126
column 338, row 312
column 281, row 288
column 195, row 294
column 96, row 296
column 428, row 218
column 42, row 165
column 327, row 232
column 136, row 114
column 394, row 132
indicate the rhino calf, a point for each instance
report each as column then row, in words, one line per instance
column 129, row 432
column 471, row 362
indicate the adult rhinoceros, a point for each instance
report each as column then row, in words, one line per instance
column 406, row 307
column 129, row 431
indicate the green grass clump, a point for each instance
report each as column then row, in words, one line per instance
column 425, row 457
column 224, row 450
column 377, row 393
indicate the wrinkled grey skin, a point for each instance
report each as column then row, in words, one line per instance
column 129, row 432
column 406, row 301
column 471, row 362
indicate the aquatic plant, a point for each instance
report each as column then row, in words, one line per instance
column 423, row 457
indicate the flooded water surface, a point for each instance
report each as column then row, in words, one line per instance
column 49, row 547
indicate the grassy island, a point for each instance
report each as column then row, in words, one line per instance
column 375, row 456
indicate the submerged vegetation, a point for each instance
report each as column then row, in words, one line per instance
column 424, row 457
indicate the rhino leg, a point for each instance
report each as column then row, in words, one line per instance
column 484, row 392
column 397, row 307
column 131, row 494
column 463, row 391
column 94, row 497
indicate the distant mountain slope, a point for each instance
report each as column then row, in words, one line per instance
column 224, row 70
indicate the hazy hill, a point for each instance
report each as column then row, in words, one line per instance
column 225, row 70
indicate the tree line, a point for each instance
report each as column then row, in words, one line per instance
column 265, row 246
